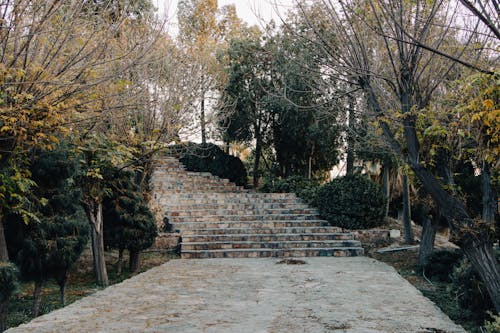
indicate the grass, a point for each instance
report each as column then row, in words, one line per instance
column 81, row 283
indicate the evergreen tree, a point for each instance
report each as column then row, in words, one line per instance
column 47, row 247
column 128, row 222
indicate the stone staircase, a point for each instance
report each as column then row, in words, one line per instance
column 218, row 219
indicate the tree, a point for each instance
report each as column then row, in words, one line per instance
column 128, row 222
column 48, row 246
column 247, row 117
column 99, row 155
column 9, row 286
column 401, row 29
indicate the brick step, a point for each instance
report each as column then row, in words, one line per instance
column 180, row 190
column 239, row 212
column 243, row 218
column 196, row 246
column 267, row 237
column 294, row 229
column 233, row 206
column 248, row 224
column 278, row 253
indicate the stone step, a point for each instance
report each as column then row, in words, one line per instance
column 196, row 246
column 281, row 253
column 253, row 237
column 294, row 229
column 233, row 206
column 247, row 224
column 254, row 211
column 242, row 218
column 172, row 200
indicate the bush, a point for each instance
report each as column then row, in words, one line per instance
column 441, row 264
column 352, row 202
column 208, row 157
column 304, row 188
column 9, row 286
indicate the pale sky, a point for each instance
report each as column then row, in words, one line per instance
column 251, row 11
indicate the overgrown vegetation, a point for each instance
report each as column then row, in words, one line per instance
column 306, row 189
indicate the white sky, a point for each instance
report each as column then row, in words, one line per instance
column 251, row 11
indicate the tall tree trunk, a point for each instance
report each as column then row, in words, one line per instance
column 350, row 137
column 62, row 288
column 4, row 254
column 258, row 152
column 407, row 211
column 4, row 306
column 482, row 257
column 427, row 242
column 93, row 209
column 202, row 119
column 490, row 201
column 119, row 264
column 36, row 299
column 386, row 186
column 135, row 260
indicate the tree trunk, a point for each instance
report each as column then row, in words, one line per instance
column 135, row 260
column 36, row 299
column 407, row 211
column 4, row 254
column 202, row 119
column 350, row 137
column 481, row 255
column 4, row 306
column 427, row 242
column 62, row 291
column 490, row 201
column 258, row 151
column 119, row 264
column 94, row 214
column 386, row 186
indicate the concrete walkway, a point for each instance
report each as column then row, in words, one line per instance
column 254, row 295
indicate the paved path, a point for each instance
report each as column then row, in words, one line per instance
column 256, row 296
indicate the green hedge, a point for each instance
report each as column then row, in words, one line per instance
column 352, row 202
column 210, row 158
column 304, row 188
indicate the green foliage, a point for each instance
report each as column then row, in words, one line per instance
column 128, row 222
column 492, row 326
column 352, row 202
column 48, row 246
column 441, row 264
column 210, row 158
column 9, row 283
column 306, row 189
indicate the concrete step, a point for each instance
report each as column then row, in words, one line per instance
column 232, row 206
column 247, row 224
column 294, row 229
column 240, row 212
column 281, row 253
column 242, row 218
column 252, row 237
column 196, row 246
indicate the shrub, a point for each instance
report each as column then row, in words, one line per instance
column 208, row 157
column 304, row 188
column 352, row 202
column 9, row 286
column 441, row 264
